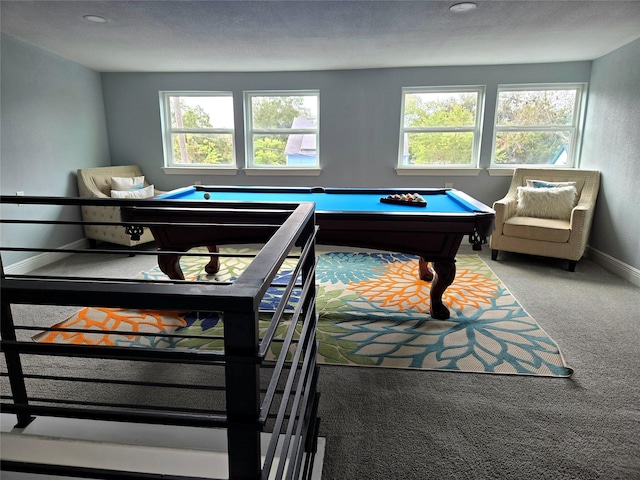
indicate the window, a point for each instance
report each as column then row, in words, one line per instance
column 537, row 125
column 198, row 129
column 441, row 127
column 282, row 129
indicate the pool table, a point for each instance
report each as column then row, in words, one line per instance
column 353, row 217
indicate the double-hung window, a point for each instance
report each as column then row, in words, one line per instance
column 282, row 130
column 537, row 125
column 198, row 129
column 441, row 127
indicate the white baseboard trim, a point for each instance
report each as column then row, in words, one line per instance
column 43, row 259
column 614, row 265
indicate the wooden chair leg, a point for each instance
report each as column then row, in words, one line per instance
column 572, row 265
column 494, row 254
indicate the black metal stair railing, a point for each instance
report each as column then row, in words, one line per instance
column 246, row 393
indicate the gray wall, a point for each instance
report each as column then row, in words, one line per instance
column 359, row 120
column 612, row 145
column 52, row 123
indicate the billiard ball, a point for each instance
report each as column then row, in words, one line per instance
column 207, row 196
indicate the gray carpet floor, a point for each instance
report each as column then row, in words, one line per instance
column 384, row 424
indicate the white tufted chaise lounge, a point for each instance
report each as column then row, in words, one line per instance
column 96, row 183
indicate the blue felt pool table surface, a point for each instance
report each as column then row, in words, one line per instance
column 439, row 201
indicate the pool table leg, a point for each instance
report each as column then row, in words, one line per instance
column 426, row 273
column 214, row 264
column 445, row 274
column 169, row 263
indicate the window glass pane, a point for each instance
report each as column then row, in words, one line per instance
column 439, row 109
column 285, row 149
column 269, row 149
column 438, row 148
column 301, row 149
column 201, row 112
column 281, row 111
column 283, row 129
column 536, row 107
column 202, row 149
column 532, row 148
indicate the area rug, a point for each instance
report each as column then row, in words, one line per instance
column 373, row 312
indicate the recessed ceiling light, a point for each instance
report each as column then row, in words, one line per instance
column 95, row 19
column 462, row 7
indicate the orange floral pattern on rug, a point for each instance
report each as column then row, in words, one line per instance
column 104, row 326
column 399, row 287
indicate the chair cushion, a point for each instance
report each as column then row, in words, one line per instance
column 545, row 229
column 555, row 202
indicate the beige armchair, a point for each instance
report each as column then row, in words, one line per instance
column 548, row 237
column 96, row 183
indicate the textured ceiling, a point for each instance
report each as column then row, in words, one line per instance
column 172, row 36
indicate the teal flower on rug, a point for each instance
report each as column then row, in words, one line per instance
column 511, row 342
column 344, row 267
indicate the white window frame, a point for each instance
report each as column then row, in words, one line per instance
column 253, row 169
column 168, row 131
column 575, row 127
column 470, row 169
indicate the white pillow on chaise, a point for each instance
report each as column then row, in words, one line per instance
column 127, row 183
column 145, row 192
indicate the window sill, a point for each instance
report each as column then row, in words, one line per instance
column 283, row 172
column 200, row 170
column 509, row 171
column 439, row 171
column 501, row 171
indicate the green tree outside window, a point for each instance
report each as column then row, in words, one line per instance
column 439, row 127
